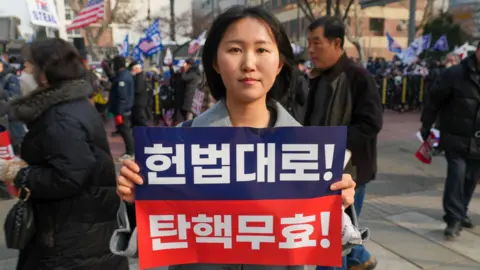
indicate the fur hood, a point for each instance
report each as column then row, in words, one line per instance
column 28, row 108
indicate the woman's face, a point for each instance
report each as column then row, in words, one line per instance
column 248, row 60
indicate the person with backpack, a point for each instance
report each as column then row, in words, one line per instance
column 295, row 102
column 140, row 101
column 10, row 84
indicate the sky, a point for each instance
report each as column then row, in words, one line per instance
column 19, row 8
column 180, row 5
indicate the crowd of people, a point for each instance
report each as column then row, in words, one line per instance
column 403, row 87
column 56, row 109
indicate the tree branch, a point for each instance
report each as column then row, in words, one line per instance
column 307, row 4
column 427, row 15
column 308, row 13
column 347, row 10
column 337, row 9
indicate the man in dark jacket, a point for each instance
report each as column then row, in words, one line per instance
column 455, row 99
column 120, row 101
column 295, row 101
column 140, row 102
column 343, row 93
column 191, row 79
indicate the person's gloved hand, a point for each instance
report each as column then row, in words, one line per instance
column 10, row 168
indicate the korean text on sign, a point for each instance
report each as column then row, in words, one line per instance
column 239, row 195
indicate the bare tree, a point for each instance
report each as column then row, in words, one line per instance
column 427, row 15
column 183, row 25
column 118, row 13
column 173, row 34
column 179, row 26
column 342, row 9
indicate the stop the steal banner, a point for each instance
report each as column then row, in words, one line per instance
column 239, row 195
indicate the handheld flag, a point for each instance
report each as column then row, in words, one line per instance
column 393, row 46
column 441, row 44
column 93, row 11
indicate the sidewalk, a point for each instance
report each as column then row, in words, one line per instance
column 403, row 208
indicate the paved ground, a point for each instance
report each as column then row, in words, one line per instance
column 403, row 208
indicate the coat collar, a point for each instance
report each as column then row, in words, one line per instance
column 217, row 116
column 332, row 71
column 28, row 108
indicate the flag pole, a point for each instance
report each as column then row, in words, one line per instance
column 198, row 52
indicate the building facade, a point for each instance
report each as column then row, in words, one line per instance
column 203, row 12
column 467, row 14
column 372, row 24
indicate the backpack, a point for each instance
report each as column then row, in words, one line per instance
column 167, row 97
column 7, row 88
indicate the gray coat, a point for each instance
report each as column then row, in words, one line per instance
column 124, row 240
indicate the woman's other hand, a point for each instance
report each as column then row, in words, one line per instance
column 347, row 186
column 128, row 178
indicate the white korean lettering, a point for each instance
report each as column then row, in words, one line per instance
column 211, row 175
column 266, row 160
column 255, row 234
column 164, row 225
column 263, row 160
column 218, row 232
column 159, row 153
column 297, row 234
column 300, row 158
column 240, row 158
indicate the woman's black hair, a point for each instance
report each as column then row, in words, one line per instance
column 285, row 81
column 58, row 59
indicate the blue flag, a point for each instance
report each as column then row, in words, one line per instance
column 426, row 41
column 152, row 42
column 441, row 44
column 151, row 45
column 393, row 46
column 137, row 54
column 153, row 28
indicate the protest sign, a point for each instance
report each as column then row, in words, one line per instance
column 239, row 195
column 43, row 13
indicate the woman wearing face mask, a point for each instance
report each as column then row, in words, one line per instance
column 247, row 72
column 66, row 166
column 27, row 82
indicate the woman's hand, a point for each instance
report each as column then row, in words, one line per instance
column 129, row 176
column 347, row 186
column 10, row 168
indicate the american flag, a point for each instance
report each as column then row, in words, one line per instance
column 197, row 43
column 91, row 13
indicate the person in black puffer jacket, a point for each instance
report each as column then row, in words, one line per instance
column 67, row 165
column 455, row 100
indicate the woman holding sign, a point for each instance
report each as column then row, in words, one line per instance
column 249, row 65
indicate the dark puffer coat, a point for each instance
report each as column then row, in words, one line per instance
column 455, row 99
column 72, row 181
